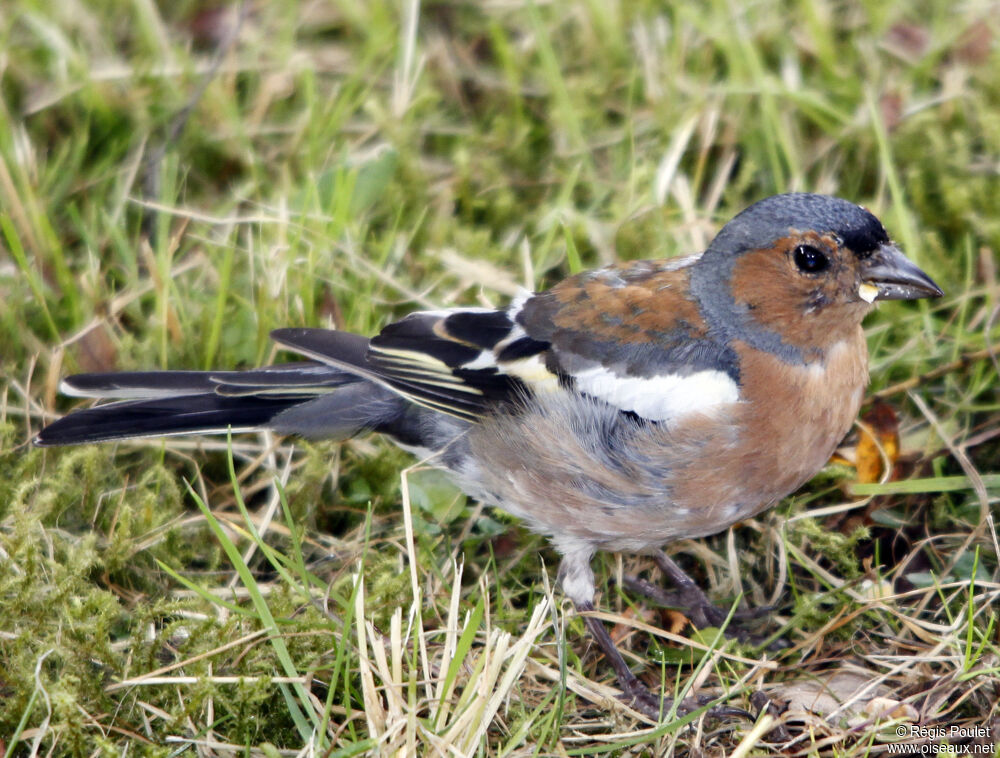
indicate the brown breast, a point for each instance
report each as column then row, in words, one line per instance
column 791, row 419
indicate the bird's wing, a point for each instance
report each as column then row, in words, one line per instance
column 462, row 361
column 632, row 336
column 627, row 335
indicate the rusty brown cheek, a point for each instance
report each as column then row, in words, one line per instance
column 808, row 312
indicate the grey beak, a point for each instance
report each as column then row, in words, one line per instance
column 896, row 276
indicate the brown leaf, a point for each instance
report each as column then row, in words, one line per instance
column 879, row 440
column 329, row 307
column 975, row 44
column 673, row 621
column 620, row 631
column 891, row 105
column 95, row 351
column 886, row 708
column 908, row 41
column 52, row 377
column 210, row 25
column 504, row 545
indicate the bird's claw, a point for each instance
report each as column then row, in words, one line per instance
column 656, row 707
column 690, row 600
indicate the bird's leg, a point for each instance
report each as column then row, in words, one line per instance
column 577, row 581
column 634, row 692
column 638, row 695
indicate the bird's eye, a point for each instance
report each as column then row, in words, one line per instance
column 811, row 260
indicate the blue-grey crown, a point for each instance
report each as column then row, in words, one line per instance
column 771, row 219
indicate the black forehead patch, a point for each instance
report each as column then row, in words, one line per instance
column 865, row 237
column 770, row 219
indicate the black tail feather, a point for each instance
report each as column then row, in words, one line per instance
column 335, row 396
column 184, row 414
column 147, row 385
column 334, row 405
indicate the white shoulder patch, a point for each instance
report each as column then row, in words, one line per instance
column 445, row 312
column 675, row 264
column 517, row 302
column 660, row 398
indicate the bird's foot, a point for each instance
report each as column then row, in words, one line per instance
column 689, row 598
column 655, row 707
column 637, row 695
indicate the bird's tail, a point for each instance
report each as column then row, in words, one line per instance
column 310, row 399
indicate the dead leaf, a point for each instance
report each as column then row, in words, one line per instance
column 329, row 308
column 891, row 105
column 825, row 694
column 975, row 44
column 908, row 41
column 95, row 351
column 878, row 443
column 53, row 377
column 673, row 621
column 620, row 631
column 887, row 708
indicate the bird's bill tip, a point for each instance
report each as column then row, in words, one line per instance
column 890, row 275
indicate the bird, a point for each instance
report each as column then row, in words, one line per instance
column 622, row 409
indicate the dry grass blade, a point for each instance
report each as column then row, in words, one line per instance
column 475, row 670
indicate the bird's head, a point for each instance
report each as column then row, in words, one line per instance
column 806, row 267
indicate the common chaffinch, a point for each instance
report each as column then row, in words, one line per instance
column 624, row 408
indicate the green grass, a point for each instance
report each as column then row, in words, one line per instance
column 348, row 162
